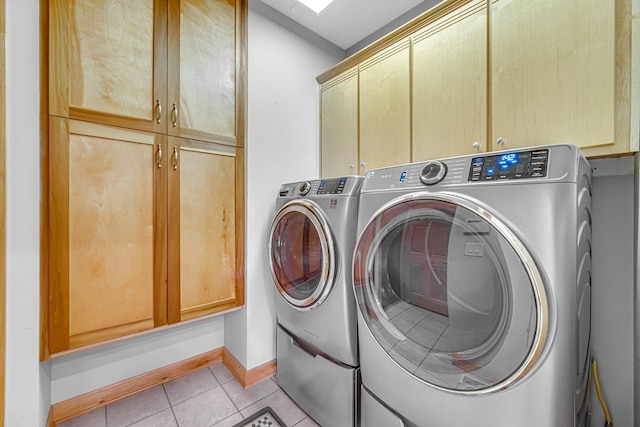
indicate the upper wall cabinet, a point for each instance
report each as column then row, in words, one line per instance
column 339, row 125
column 553, row 74
column 502, row 74
column 167, row 66
column 450, row 85
column 385, row 108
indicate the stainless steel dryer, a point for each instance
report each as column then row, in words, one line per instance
column 310, row 249
column 472, row 277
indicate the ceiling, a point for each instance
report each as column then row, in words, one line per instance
column 347, row 22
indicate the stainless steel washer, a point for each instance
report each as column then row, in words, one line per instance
column 472, row 277
column 310, row 249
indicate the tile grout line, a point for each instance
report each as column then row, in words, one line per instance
column 171, row 405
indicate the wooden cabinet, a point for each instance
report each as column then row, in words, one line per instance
column 553, row 73
column 339, row 125
column 168, row 66
column 144, row 166
column 107, row 229
column 385, row 109
column 202, row 69
column 205, row 233
column 499, row 74
column 449, row 75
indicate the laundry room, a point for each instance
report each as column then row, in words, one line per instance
column 298, row 128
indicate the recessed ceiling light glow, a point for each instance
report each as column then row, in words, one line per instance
column 316, row 5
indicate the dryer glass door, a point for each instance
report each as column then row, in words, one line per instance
column 450, row 293
column 302, row 254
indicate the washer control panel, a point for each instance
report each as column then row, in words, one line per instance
column 345, row 186
column 331, row 186
column 510, row 165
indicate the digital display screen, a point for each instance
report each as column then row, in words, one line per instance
column 331, row 186
column 505, row 161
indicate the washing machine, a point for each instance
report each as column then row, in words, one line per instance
column 472, row 278
column 310, row 249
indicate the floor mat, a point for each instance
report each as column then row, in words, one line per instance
column 263, row 418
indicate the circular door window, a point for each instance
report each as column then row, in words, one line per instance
column 450, row 293
column 302, row 254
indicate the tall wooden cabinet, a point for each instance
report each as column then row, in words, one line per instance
column 145, row 207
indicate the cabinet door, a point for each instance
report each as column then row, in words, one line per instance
column 203, row 43
column 450, row 85
column 385, row 116
column 107, row 212
column 108, row 62
column 552, row 72
column 205, row 229
column 339, row 125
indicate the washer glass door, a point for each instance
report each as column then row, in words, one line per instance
column 450, row 293
column 302, row 254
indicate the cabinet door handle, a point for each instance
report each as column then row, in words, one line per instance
column 363, row 164
column 476, row 145
column 159, row 156
column 158, row 111
column 175, row 158
column 174, row 115
column 352, row 166
column 500, row 141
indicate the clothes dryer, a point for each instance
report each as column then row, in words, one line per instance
column 310, row 249
column 472, row 277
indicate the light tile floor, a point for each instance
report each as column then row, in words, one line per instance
column 209, row 397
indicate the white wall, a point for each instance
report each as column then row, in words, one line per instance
column 99, row 367
column 613, row 284
column 282, row 146
column 27, row 403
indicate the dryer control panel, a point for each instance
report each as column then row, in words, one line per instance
column 510, row 165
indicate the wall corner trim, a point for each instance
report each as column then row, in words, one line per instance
column 250, row 377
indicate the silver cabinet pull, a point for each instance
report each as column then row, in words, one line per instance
column 476, row 145
column 174, row 115
column 500, row 141
column 352, row 166
column 158, row 111
column 175, row 158
column 159, row 156
column 363, row 164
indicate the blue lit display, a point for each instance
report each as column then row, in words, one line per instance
column 506, row 160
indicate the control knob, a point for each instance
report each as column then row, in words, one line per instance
column 304, row 188
column 433, row 172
